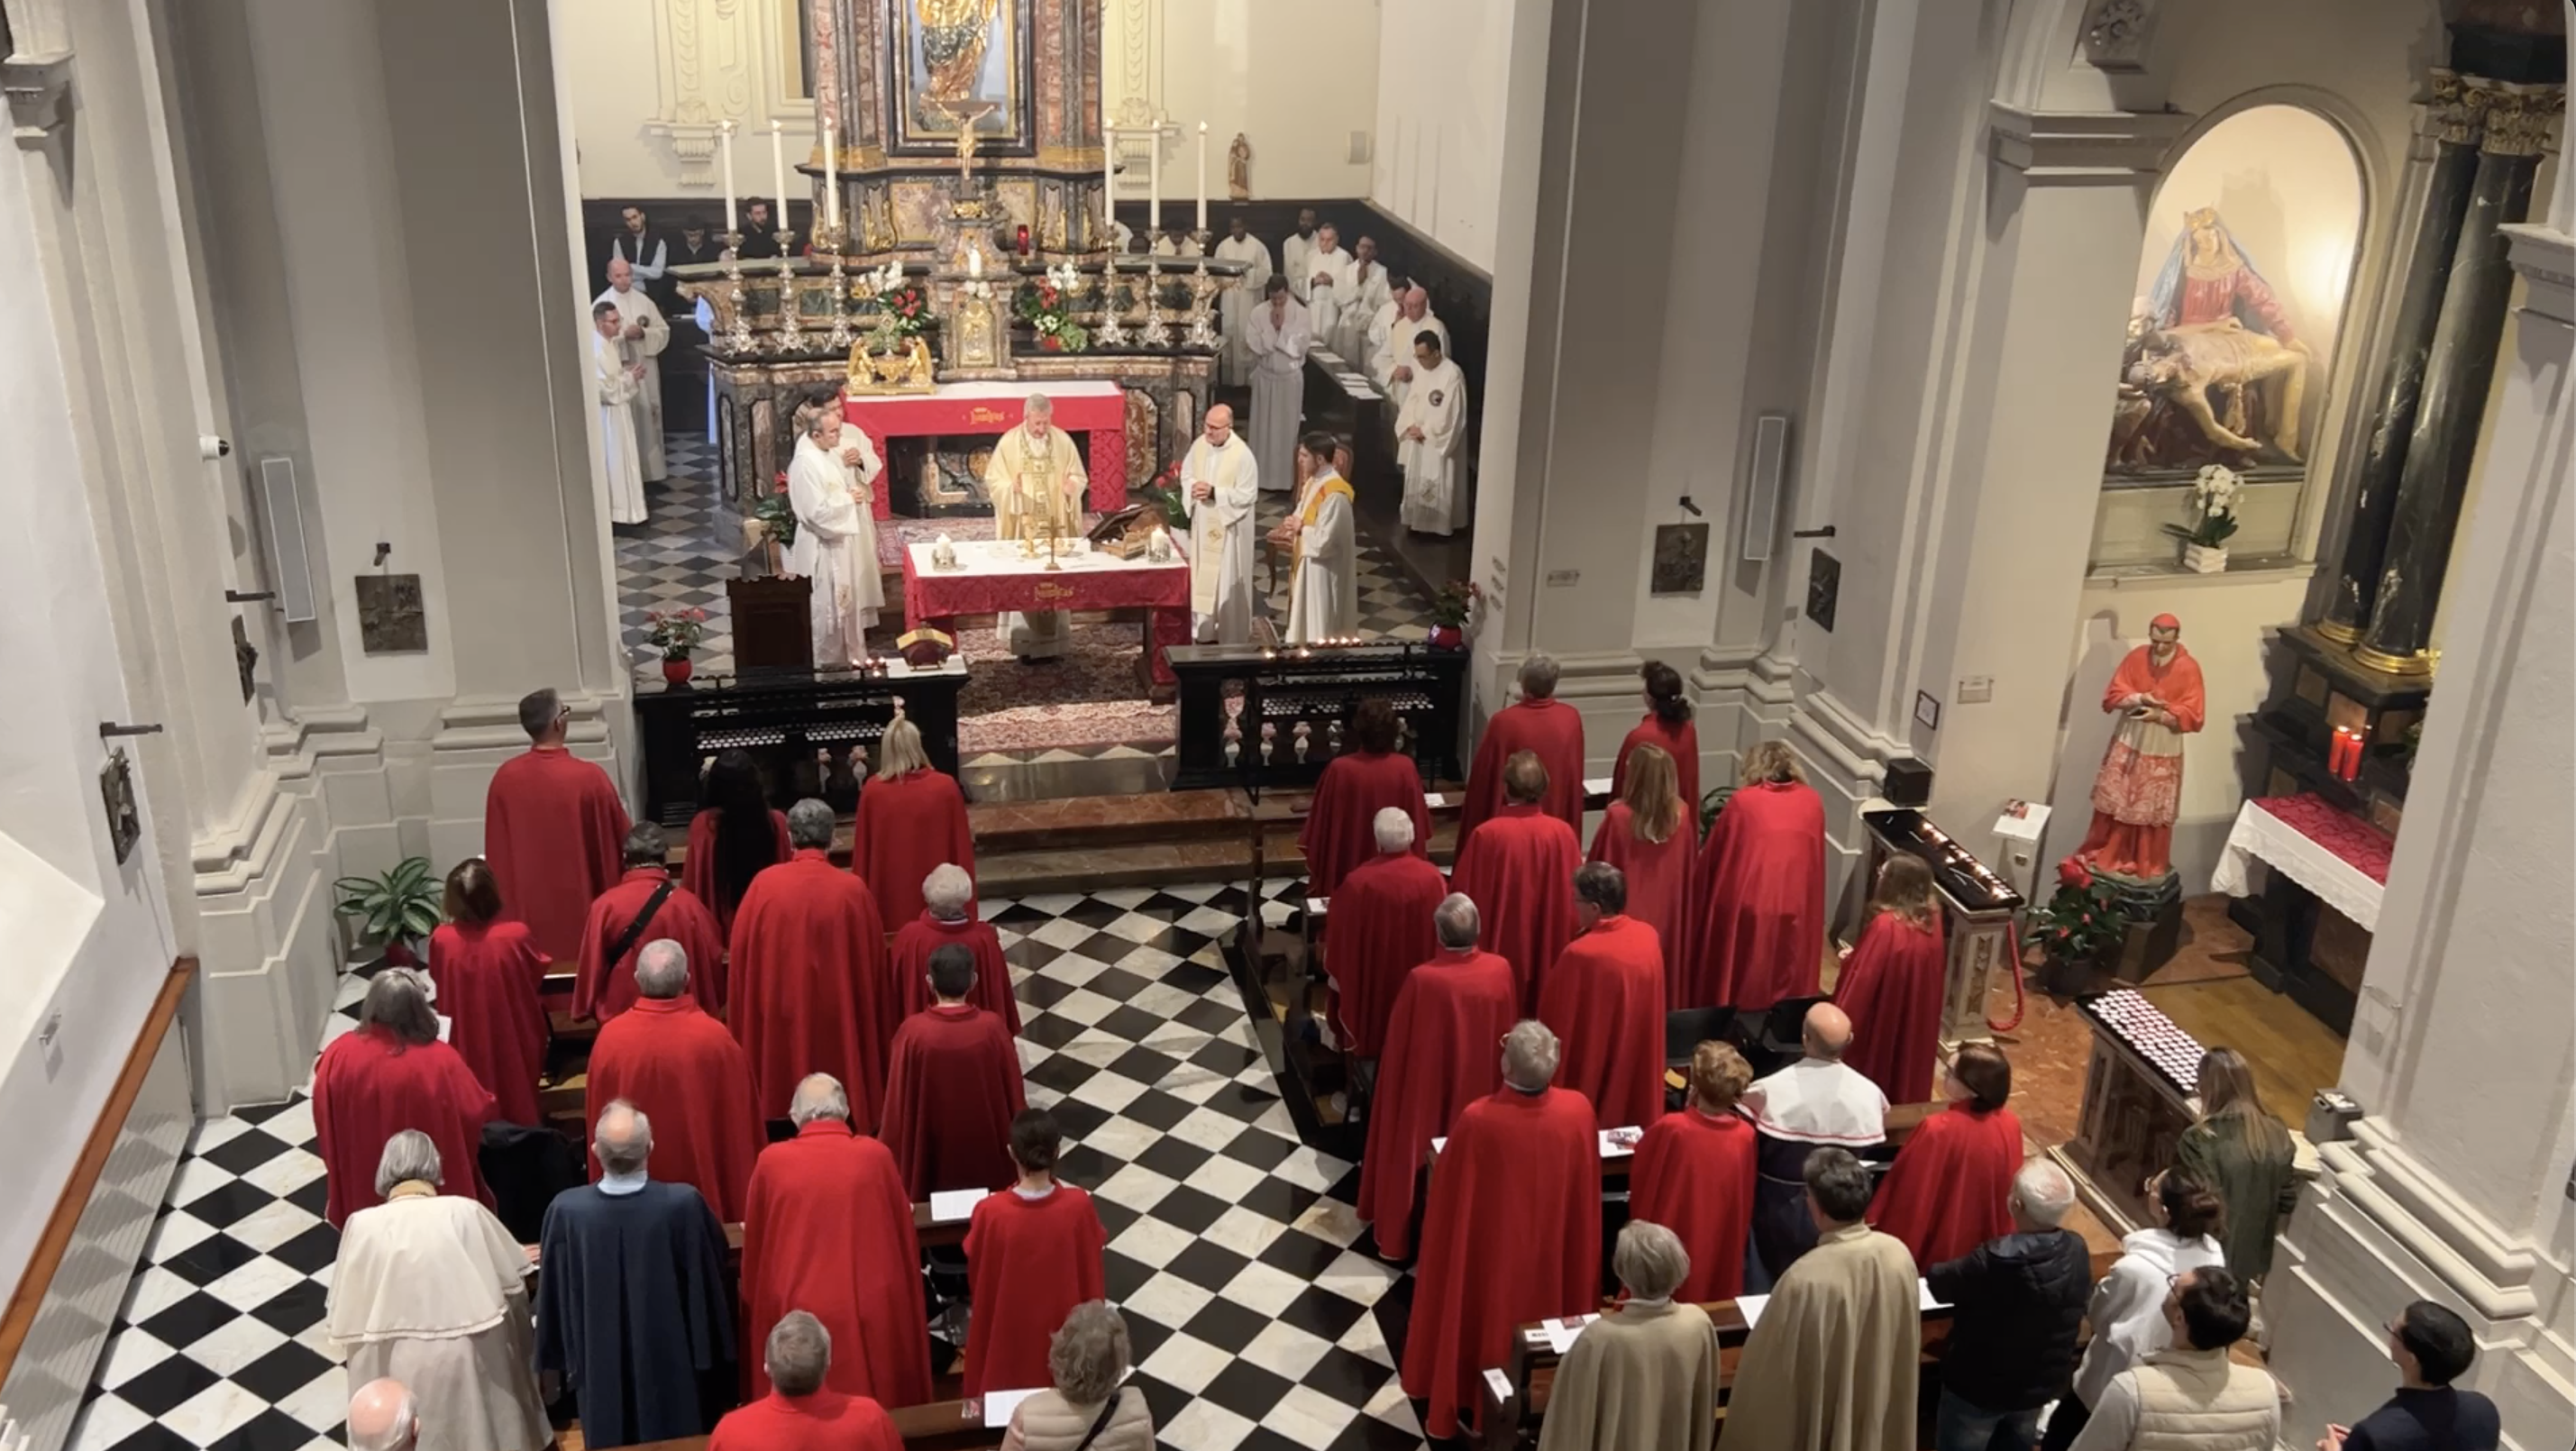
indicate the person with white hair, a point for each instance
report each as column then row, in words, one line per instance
column 1513, row 1233
column 1644, row 1376
column 1219, row 482
column 1544, row 726
column 1377, row 930
column 802, row 1412
column 1437, row 1057
column 431, row 1291
column 617, row 386
column 911, row 819
column 1036, row 482
column 1368, row 776
column 1086, row 1405
column 952, row 1087
column 810, row 989
column 948, row 918
column 383, row 1418
column 393, row 1073
column 641, row 336
column 634, row 1312
column 679, row 1067
column 831, row 484
column 2017, row 1307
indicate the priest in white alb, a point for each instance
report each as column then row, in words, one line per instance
column 1332, row 282
column 646, row 335
column 1276, row 337
column 616, row 382
column 1295, row 248
column 1323, row 545
column 1391, row 361
column 1219, row 480
column 1429, row 431
column 831, row 485
column 1369, row 290
column 1036, row 482
column 1235, row 306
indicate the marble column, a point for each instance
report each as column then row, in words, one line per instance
column 2459, row 368
column 2454, row 118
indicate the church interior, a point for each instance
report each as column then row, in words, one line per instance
column 1918, row 546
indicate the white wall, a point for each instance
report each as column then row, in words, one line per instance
column 1441, row 81
column 1296, row 80
column 611, row 95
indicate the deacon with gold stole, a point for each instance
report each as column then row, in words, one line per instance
column 1219, row 479
column 1036, row 482
column 1324, row 581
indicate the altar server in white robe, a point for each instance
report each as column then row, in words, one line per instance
column 1219, row 480
column 1238, row 301
column 1429, row 431
column 1323, row 545
column 1369, row 289
column 1331, row 282
column 616, row 382
column 1392, row 362
column 1294, row 249
column 1276, row 337
column 645, row 330
column 1036, row 482
column 831, row 485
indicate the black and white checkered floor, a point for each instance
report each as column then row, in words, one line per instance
column 1255, row 1322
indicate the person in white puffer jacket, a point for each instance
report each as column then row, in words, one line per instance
column 2127, row 1310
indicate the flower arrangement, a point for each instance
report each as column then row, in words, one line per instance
column 1164, row 493
column 1455, row 603
column 2082, row 920
column 773, row 517
column 902, row 312
column 2213, row 494
column 1047, row 308
column 676, row 632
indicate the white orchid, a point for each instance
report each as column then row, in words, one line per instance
column 2216, row 489
column 1065, row 276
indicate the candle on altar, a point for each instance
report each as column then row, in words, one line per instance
column 1202, row 176
column 1108, row 187
column 1154, row 190
column 731, row 224
column 831, row 179
column 778, row 166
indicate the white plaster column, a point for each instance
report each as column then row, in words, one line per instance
column 2459, row 1184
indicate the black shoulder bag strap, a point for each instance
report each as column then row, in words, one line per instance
column 634, row 932
column 1108, row 1409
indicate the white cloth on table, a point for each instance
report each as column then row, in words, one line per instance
column 1435, row 496
column 1331, row 282
column 430, row 1290
column 633, row 306
column 1220, row 543
column 1278, row 391
column 1235, row 361
column 2260, row 836
column 1324, row 587
column 614, row 391
column 836, row 545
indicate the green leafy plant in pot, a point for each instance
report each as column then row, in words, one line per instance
column 395, row 912
column 2080, row 925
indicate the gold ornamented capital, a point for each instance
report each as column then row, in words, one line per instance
column 2459, row 107
column 2520, row 118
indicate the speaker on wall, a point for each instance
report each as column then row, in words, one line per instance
column 281, row 517
column 1762, row 494
column 1909, row 782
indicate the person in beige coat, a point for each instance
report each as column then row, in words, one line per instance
column 1832, row 1362
column 1644, row 1376
column 1087, row 1407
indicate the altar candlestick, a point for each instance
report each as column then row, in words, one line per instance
column 778, row 166
column 1154, row 190
column 831, row 179
column 730, row 224
column 1202, row 176
column 1108, row 187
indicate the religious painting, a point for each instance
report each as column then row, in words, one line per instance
column 391, row 618
column 2240, row 291
column 1681, row 559
column 1824, row 589
column 116, row 798
column 963, row 63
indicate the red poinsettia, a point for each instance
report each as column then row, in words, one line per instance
column 781, row 483
column 1050, row 343
column 2073, row 873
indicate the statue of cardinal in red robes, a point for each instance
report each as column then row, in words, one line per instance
column 2158, row 695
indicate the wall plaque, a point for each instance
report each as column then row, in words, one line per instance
column 1681, row 559
column 390, row 616
column 116, row 795
column 1824, row 588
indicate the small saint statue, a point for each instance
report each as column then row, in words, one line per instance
column 1238, row 169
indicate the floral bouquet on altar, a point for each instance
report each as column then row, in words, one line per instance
column 898, row 313
column 2214, row 495
column 1048, row 310
column 1164, row 493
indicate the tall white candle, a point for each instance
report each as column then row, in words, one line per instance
column 1108, row 187
column 731, row 224
column 1154, row 189
column 1202, row 176
column 778, row 166
column 831, row 178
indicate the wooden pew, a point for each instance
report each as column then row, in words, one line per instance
column 1902, row 1120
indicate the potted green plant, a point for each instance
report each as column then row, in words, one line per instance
column 2213, row 495
column 1711, row 802
column 2078, row 928
column 394, row 911
column 675, row 633
column 1450, row 611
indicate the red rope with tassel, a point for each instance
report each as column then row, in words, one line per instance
column 2021, row 999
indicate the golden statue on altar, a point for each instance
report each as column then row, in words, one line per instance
column 953, row 36
column 906, row 369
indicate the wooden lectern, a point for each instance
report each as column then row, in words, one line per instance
column 772, row 624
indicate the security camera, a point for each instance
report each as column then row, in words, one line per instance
column 211, row 447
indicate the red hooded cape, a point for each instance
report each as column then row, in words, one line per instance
column 1028, row 1263
column 950, row 1094
column 829, row 1231
column 1945, row 1194
column 1605, row 1003
column 1761, row 900
column 554, row 832
column 1341, row 827
column 811, row 993
column 1379, row 927
column 1891, row 989
column 824, row 1421
column 906, row 825
column 487, row 985
column 1514, row 1234
column 1663, row 892
column 1519, row 871
column 1551, row 728
column 688, row 1075
column 1681, row 742
column 1443, row 1051
column 368, row 1087
column 1693, row 1175
column 698, row 873
column 602, row 989
column 924, row 935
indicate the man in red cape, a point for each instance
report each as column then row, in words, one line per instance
column 949, row 918
column 1378, row 929
column 830, row 1231
column 1538, row 723
column 1032, row 1254
column 2157, row 693
column 1514, row 1230
column 1340, row 830
column 603, row 989
column 811, row 993
column 1950, row 1188
column 1694, row 1174
column 552, row 825
column 1519, row 871
column 1438, row 1058
column 952, row 1088
column 1762, row 890
column 912, row 817
column 802, row 1412
column 1605, row 1003
column 392, row 1073
column 687, row 1075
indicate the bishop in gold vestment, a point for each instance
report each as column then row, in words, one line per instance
column 1036, row 482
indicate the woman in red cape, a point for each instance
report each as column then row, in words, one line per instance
column 1761, row 936
column 1340, row 831
column 1694, row 1171
column 950, row 917
column 911, row 818
column 388, row 1075
column 1667, row 726
column 1649, row 834
column 732, row 838
column 1033, row 1252
column 1890, row 986
column 485, row 972
column 1946, row 1194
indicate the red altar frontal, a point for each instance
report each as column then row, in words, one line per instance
column 1095, row 408
column 991, row 577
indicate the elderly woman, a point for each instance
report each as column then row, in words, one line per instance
column 911, row 818
column 948, row 917
column 1644, row 1376
column 1086, row 1408
column 431, row 1291
column 393, row 1073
